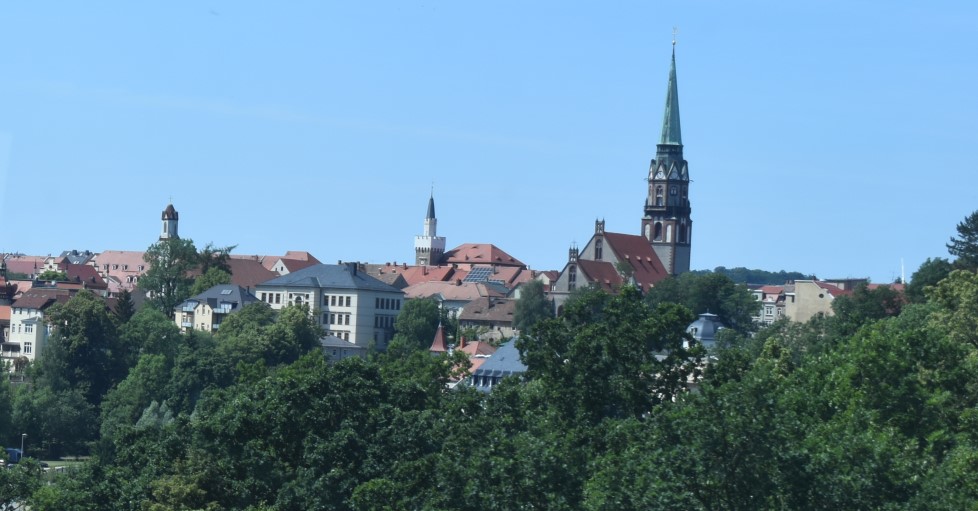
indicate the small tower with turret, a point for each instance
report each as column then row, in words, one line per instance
column 429, row 247
column 170, row 218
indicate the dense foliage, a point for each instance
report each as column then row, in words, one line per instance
column 874, row 407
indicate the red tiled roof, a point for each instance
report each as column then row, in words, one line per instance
column 294, row 255
column 85, row 274
column 466, row 291
column 248, row 273
column 40, row 298
column 832, row 290
column 473, row 348
column 25, row 264
column 5, row 314
column 297, row 264
column 896, row 286
column 602, row 273
column 416, row 274
column 480, row 253
column 648, row 270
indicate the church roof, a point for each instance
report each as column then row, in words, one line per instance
column 647, row 269
column 438, row 344
column 671, row 131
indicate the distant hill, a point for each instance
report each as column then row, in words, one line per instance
column 743, row 275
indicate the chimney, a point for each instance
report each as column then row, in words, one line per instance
column 461, row 342
column 352, row 267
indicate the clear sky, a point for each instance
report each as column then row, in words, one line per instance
column 831, row 137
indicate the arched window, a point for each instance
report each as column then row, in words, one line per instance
column 648, row 231
column 658, row 231
column 598, row 249
column 682, row 233
column 658, row 195
column 669, row 233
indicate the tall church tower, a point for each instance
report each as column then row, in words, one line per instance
column 170, row 218
column 667, row 224
column 429, row 247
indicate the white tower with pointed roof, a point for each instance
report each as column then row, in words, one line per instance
column 429, row 247
column 170, row 219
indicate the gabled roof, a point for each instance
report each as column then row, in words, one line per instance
column 647, row 269
column 480, row 253
column 452, row 291
column 336, row 276
column 601, row 273
column 42, row 298
column 477, row 348
column 24, row 264
column 236, row 296
column 85, row 274
column 411, row 274
column 294, row 255
column 489, row 309
column 249, row 272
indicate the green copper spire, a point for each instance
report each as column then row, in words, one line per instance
column 671, row 132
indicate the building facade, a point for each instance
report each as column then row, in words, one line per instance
column 206, row 311
column 347, row 302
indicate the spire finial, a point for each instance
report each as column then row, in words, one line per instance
column 675, row 30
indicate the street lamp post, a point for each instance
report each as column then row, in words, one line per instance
column 22, row 437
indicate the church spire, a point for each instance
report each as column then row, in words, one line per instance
column 671, row 132
column 431, row 207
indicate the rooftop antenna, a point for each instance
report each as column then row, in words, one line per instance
column 903, row 273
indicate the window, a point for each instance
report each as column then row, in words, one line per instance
column 125, row 267
column 347, row 301
column 657, row 236
column 115, row 266
column 598, row 248
column 28, row 328
column 278, row 297
column 572, row 278
column 347, row 319
column 264, row 298
column 332, row 319
column 672, row 191
column 332, row 300
column 28, row 347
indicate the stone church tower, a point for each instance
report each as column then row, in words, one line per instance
column 429, row 247
column 667, row 224
column 170, row 218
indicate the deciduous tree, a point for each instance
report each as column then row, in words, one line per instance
column 168, row 279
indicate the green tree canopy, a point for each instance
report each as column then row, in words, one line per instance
column 965, row 245
column 84, row 351
column 709, row 292
column 417, row 323
column 168, row 279
column 929, row 274
column 532, row 307
column 213, row 277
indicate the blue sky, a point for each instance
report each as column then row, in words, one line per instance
column 834, row 138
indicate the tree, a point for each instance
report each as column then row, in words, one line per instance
column 709, row 292
column 417, row 323
column 124, row 306
column 929, row 274
column 168, row 278
column 84, row 351
column 213, row 277
column 532, row 307
column 965, row 246
column 215, row 257
column 864, row 306
column 53, row 276
column 18, row 483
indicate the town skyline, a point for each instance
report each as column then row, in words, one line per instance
column 828, row 140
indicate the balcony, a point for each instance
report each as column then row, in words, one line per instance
column 187, row 324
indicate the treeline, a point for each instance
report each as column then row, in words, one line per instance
column 741, row 275
column 872, row 408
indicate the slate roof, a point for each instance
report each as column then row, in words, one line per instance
column 504, row 362
column 476, row 253
column 338, row 276
column 77, row 256
column 237, row 296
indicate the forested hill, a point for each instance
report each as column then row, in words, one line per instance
column 741, row 275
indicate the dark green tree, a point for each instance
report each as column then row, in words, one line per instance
column 213, row 277
column 929, row 274
column 124, row 306
column 417, row 323
column 168, row 279
column 215, row 257
column 709, row 292
column 965, row 245
column 864, row 306
column 18, row 484
column 532, row 307
column 84, row 352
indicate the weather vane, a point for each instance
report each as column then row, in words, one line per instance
column 675, row 30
